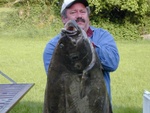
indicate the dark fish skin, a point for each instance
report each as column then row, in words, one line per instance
column 75, row 82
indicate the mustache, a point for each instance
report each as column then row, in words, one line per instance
column 80, row 20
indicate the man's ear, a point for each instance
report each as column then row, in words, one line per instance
column 64, row 19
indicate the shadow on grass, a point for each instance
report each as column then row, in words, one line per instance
column 27, row 107
column 123, row 109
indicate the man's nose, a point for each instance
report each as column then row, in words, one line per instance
column 79, row 14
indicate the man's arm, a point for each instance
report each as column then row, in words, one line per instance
column 106, row 49
column 48, row 52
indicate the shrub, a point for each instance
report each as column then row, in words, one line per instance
column 119, row 8
column 126, row 31
column 111, row 15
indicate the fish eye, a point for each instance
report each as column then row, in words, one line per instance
column 61, row 45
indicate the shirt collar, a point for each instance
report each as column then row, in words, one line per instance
column 89, row 32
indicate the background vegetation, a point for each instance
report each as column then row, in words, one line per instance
column 27, row 25
column 125, row 19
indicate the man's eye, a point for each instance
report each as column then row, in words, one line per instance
column 72, row 12
column 83, row 11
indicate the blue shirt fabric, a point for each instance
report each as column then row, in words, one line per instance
column 104, row 45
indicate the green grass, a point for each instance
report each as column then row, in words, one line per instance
column 132, row 77
column 21, row 59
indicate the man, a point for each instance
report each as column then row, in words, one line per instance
column 102, row 40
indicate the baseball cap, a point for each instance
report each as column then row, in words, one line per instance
column 68, row 3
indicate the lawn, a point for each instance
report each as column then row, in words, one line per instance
column 21, row 59
column 132, row 77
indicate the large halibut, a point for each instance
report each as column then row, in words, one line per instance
column 75, row 82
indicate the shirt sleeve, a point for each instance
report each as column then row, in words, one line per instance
column 107, row 49
column 48, row 52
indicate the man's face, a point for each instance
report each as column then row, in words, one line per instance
column 79, row 13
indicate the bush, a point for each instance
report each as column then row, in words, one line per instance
column 31, row 18
column 126, row 31
column 36, row 15
column 119, row 9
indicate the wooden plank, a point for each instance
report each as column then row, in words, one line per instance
column 10, row 94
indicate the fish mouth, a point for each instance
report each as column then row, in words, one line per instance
column 74, row 56
column 71, row 28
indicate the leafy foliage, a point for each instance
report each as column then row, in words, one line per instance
column 33, row 18
column 119, row 9
column 114, row 10
column 125, row 19
column 126, row 31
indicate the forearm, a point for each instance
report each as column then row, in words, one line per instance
column 47, row 55
column 109, row 57
column 107, row 51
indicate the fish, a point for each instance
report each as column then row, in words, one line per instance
column 75, row 81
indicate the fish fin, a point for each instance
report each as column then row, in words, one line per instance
column 84, row 81
column 82, row 93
